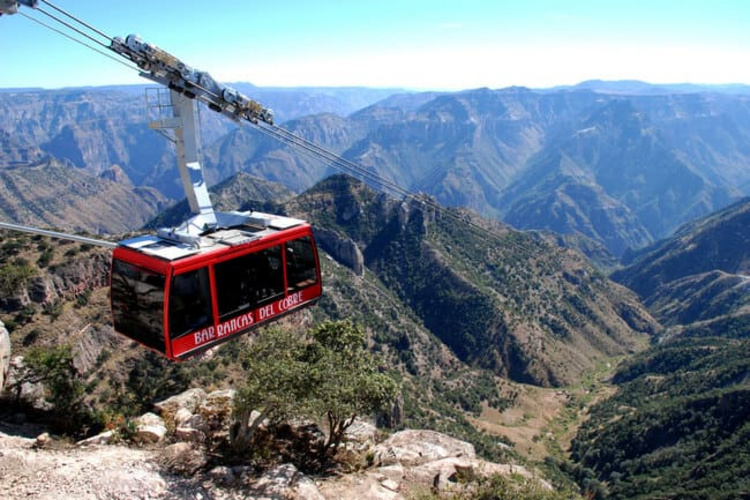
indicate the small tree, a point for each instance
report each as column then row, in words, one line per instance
column 329, row 375
column 53, row 367
column 347, row 382
column 13, row 276
column 274, row 386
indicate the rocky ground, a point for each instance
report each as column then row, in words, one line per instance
column 116, row 472
column 406, row 463
column 165, row 458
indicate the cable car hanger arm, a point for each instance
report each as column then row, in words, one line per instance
column 186, row 86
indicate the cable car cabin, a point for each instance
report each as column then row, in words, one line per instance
column 180, row 300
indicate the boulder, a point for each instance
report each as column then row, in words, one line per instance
column 150, row 428
column 285, row 482
column 222, row 475
column 183, row 459
column 197, row 422
column 393, row 473
column 362, row 434
column 385, row 483
column 194, row 414
column 42, row 440
column 100, row 439
column 216, row 409
column 188, row 401
column 414, row 461
column 182, row 416
column 442, row 474
column 32, row 393
column 416, row 447
column 190, row 435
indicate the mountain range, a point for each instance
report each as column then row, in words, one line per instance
column 623, row 165
column 52, row 195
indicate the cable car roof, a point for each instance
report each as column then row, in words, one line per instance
column 257, row 226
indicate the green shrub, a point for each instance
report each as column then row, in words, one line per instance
column 13, row 276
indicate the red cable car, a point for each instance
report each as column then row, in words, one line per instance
column 181, row 300
column 218, row 274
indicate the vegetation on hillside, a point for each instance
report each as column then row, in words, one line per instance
column 451, row 311
column 679, row 426
column 122, row 380
column 542, row 311
column 718, row 242
column 439, row 392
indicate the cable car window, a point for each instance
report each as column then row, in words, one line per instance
column 137, row 296
column 300, row 263
column 245, row 282
column 189, row 303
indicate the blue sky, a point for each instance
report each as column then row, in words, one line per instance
column 417, row 44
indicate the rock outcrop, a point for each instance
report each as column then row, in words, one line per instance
column 20, row 387
column 418, row 460
column 342, row 249
column 116, row 174
column 65, row 282
column 150, row 428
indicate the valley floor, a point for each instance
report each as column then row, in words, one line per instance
column 542, row 421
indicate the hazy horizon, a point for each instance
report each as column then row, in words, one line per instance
column 410, row 44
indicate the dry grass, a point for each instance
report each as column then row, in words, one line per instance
column 524, row 423
column 543, row 421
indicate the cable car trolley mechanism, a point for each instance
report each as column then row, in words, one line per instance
column 218, row 274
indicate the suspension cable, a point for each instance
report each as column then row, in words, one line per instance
column 334, row 159
column 353, row 168
column 79, row 21
column 58, row 235
column 80, row 42
column 278, row 133
column 70, row 26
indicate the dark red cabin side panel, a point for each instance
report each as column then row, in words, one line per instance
column 138, row 289
column 203, row 339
